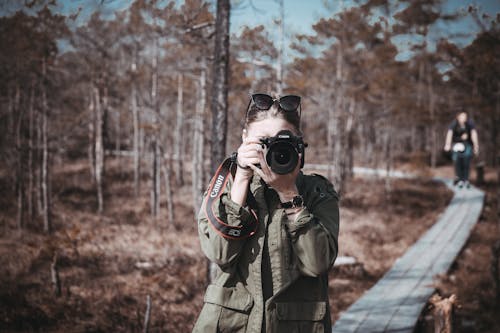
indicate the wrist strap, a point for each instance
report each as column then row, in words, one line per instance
column 215, row 190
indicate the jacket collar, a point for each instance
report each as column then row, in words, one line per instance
column 257, row 184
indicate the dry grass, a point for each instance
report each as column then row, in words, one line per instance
column 108, row 264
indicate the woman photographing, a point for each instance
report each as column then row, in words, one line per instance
column 271, row 230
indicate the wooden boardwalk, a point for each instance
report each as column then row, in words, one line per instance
column 397, row 299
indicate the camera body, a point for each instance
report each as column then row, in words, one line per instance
column 282, row 151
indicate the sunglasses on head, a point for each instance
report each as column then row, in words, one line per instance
column 288, row 103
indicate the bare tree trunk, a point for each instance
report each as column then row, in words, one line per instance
column 166, row 167
column 495, row 265
column 349, row 149
column 387, row 150
column 155, row 158
column 30, row 197
column 219, row 95
column 281, row 36
column 99, row 148
column 118, row 128
column 432, row 112
column 495, row 129
column 47, row 223
column 167, row 171
column 338, row 160
column 54, row 272
column 220, row 85
column 498, row 196
column 19, row 166
column 147, row 315
column 118, row 139
column 198, row 142
column 475, row 93
column 155, row 178
column 338, row 176
column 421, row 70
column 178, row 137
column 413, row 138
column 334, row 127
column 330, row 139
column 39, row 157
column 137, row 156
column 253, row 76
column 497, row 164
column 167, row 174
column 142, row 144
column 388, row 158
column 91, row 133
column 10, row 123
column 421, row 137
column 369, row 138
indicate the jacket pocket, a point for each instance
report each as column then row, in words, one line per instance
column 227, row 310
column 301, row 317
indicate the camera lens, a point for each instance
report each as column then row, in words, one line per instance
column 282, row 157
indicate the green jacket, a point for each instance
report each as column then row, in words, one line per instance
column 290, row 259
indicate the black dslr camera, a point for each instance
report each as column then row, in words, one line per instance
column 282, row 151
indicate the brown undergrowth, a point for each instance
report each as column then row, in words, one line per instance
column 108, row 264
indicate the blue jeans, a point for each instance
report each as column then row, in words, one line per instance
column 462, row 162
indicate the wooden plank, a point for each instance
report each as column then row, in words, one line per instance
column 395, row 302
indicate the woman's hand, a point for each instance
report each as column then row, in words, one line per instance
column 283, row 184
column 476, row 150
column 248, row 154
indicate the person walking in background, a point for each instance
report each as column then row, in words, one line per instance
column 462, row 141
column 271, row 230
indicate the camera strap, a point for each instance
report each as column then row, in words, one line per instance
column 224, row 172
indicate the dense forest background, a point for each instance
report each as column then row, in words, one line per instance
column 136, row 85
column 130, row 97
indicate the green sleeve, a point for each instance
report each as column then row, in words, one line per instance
column 314, row 232
column 223, row 251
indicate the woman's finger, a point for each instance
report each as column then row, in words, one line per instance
column 297, row 168
column 252, row 139
column 258, row 171
column 263, row 164
column 248, row 161
column 248, row 154
column 250, row 146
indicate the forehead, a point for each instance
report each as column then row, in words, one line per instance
column 269, row 127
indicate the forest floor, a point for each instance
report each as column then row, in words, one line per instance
column 109, row 264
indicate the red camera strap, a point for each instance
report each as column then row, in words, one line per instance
column 215, row 190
